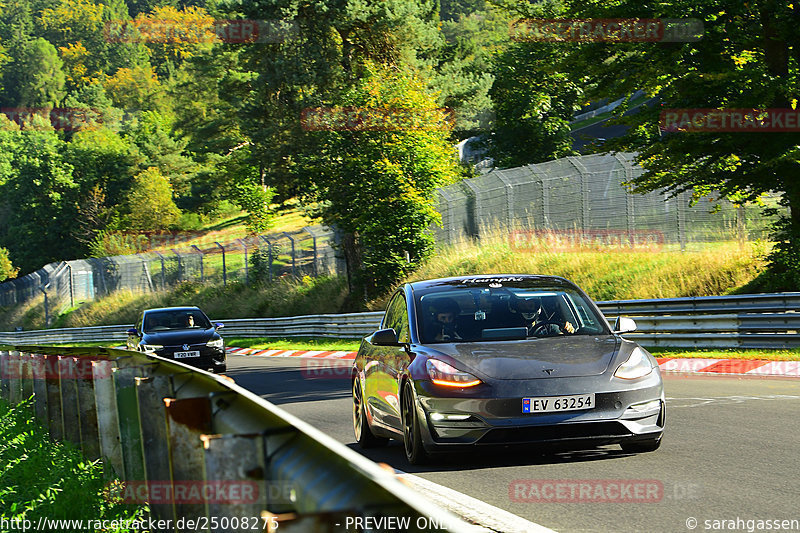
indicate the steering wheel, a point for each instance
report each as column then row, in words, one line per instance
column 542, row 325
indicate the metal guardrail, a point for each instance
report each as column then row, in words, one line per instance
column 748, row 321
column 170, row 429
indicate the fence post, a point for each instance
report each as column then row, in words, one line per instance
column 163, row 272
column 269, row 259
column 314, row 243
column 202, row 277
column 44, row 288
column 180, row 264
column 52, row 379
column 90, row 440
column 40, row 387
column 294, row 272
column 246, row 273
column 224, row 269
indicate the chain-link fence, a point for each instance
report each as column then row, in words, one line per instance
column 310, row 251
column 572, row 197
column 585, row 194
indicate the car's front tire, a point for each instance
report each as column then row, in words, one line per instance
column 412, row 435
column 643, row 446
column 364, row 436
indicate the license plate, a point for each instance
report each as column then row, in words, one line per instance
column 185, row 355
column 554, row 404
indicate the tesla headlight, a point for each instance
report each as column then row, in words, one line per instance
column 150, row 348
column 637, row 366
column 443, row 374
column 216, row 343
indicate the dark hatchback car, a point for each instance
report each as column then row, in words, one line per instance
column 503, row 360
column 184, row 334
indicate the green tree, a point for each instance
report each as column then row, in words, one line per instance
column 748, row 57
column 7, row 270
column 34, row 77
column 377, row 184
column 38, row 197
column 149, row 204
column 533, row 104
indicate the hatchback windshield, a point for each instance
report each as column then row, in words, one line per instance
column 176, row 319
column 465, row 314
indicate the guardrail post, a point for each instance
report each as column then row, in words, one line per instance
column 187, row 420
column 13, row 376
column 39, row 366
column 53, row 383
column 236, row 463
column 150, row 394
column 5, row 385
column 26, row 375
column 90, row 440
column 224, row 269
column 107, row 420
column 128, row 418
column 69, row 400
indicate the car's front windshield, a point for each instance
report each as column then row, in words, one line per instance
column 504, row 311
column 155, row 321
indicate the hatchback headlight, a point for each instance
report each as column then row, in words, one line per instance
column 637, row 366
column 443, row 374
column 150, row 348
column 216, row 343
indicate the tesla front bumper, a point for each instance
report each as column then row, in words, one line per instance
column 622, row 412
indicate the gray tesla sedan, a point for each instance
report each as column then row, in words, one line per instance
column 503, row 360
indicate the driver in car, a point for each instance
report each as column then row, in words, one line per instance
column 445, row 312
column 530, row 309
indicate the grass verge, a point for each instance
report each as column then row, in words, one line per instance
column 42, row 478
column 296, row 343
column 351, row 345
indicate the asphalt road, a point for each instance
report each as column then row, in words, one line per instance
column 731, row 451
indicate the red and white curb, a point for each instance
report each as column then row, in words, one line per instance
column 291, row 353
column 666, row 364
column 746, row 367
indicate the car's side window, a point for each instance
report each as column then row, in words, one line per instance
column 397, row 317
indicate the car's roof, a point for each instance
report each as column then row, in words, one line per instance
column 487, row 278
column 172, row 309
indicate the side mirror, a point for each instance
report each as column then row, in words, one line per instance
column 624, row 325
column 134, row 332
column 384, row 337
column 219, row 325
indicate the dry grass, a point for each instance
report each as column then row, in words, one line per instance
column 608, row 275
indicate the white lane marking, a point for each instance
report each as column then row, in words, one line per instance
column 488, row 517
column 698, row 402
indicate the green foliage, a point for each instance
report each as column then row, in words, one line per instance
column 255, row 199
column 748, row 57
column 38, row 197
column 41, row 478
column 34, row 76
column 533, row 107
column 149, row 203
column 378, row 186
column 7, row 270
